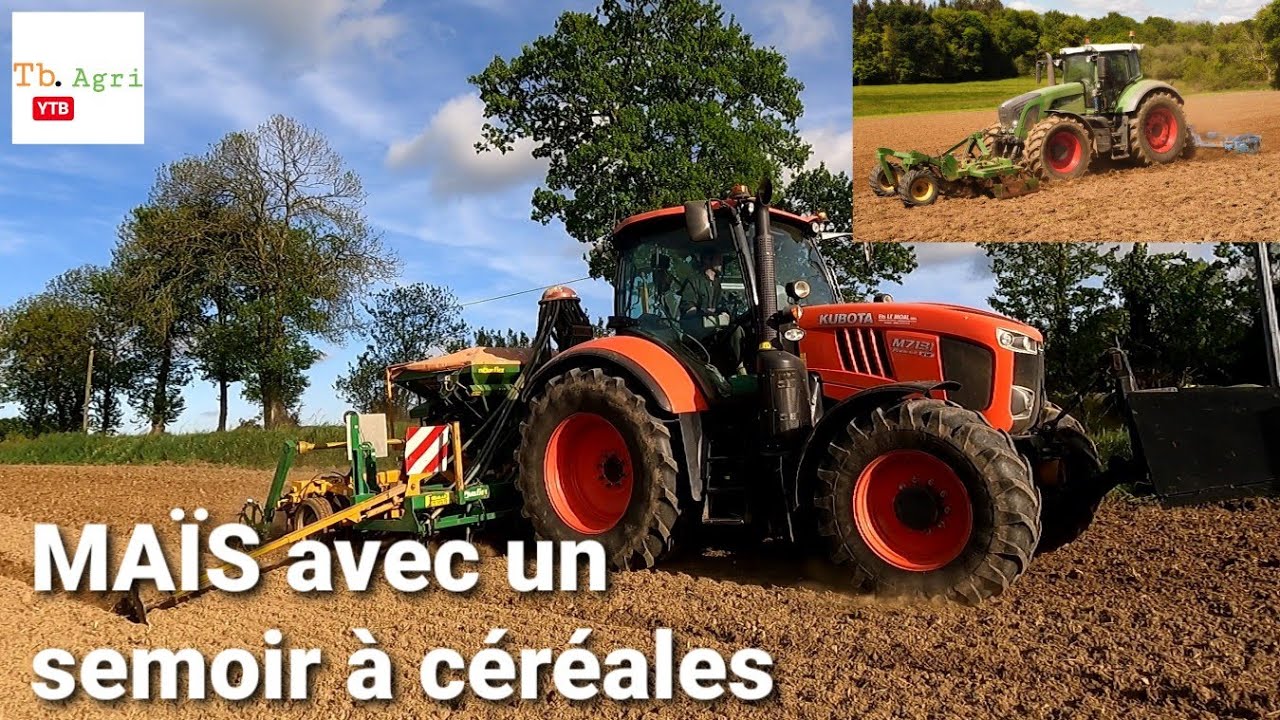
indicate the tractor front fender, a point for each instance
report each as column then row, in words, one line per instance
column 840, row 415
column 1133, row 95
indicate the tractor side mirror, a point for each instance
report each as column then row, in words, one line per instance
column 699, row 221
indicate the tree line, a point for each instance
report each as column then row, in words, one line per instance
column 1183, row 320
column 913, row 41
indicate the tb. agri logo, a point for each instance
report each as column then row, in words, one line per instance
column 77, row 78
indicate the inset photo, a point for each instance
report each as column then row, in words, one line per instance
column 1058, row 121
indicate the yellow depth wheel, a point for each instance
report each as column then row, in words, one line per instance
column 919, row 187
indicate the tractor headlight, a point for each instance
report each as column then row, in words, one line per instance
column 794, row 334
column 799, row 289
column 1016, row 341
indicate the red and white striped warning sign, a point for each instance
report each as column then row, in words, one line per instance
column 426, row 449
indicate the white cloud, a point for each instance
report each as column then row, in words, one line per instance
column 1224, row 11
column 799, row 26
column 310, row 30
column 831, row 145
column 1137, row 9
column 446, row 147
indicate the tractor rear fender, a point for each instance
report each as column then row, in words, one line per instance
column 1133, row 95
column 839, row 416
column 652, row 370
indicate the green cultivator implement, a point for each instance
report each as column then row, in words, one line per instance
column 966, row 169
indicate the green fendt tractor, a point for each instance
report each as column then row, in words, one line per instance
column 1103, row 107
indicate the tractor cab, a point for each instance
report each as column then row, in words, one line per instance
column 696, row 293
column 1101, row 71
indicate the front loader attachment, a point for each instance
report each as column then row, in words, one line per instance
column 1202, row 444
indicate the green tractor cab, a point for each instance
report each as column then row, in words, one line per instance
column 1103, row 107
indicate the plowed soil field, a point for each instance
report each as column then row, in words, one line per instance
column 1213, row 197
column 1153, row 614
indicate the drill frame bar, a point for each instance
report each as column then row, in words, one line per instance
column 375, row 507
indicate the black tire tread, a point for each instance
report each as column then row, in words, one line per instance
column 558, row 399
column 1063, row 517
column 877, row 173
column 1016, row 501
column 1033, row 150
column 1138, row 151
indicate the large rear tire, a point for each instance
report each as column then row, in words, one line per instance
column 1069, row 499
column 1158, row 131
column 1058, row 148
column 924, row 498
column 596, row 465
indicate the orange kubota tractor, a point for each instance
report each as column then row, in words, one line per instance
column 913, row 440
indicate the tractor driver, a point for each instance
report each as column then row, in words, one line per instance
column 704, row 317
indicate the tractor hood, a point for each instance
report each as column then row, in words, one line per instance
column 1021, row 112
column 945, row 318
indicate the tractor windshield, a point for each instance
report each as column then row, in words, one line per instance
column 1077, row 69
column 675, row 287
column 797, row 258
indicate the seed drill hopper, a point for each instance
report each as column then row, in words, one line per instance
column 967, row 169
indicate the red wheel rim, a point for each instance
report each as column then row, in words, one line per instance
column 912, row 510
column 588, row 472
column 1065, row 151
column 1161, row 129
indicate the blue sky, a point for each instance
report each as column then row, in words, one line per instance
column 1214, row 10
column 386, row 81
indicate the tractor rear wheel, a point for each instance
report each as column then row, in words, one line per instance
column 919, row 187
column 924, row 498
column 1070, row 495
column 596, row 465
column 1058, row 148
column 1158, row 131
column 883, row 185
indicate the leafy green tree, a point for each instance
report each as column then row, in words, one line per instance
column 859, row 270
column 44, row 352
column 203, row 222
column 303, row 252
column 402, row 324
column 1057, row 288
column 160, row 275
column 1184, row 322
column 639, row 105
column 1267, row 24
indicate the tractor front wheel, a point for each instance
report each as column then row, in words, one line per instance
column 1070, row 485
column 883, row 185
column 1158, row 131
column 596, row 465
column 924, row 498
column 919, row 187
column 1058, row 148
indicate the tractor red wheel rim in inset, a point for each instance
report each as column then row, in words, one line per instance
column 588, row 473
column 1161, row 128
column 912, row 510
column 1065, row 151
